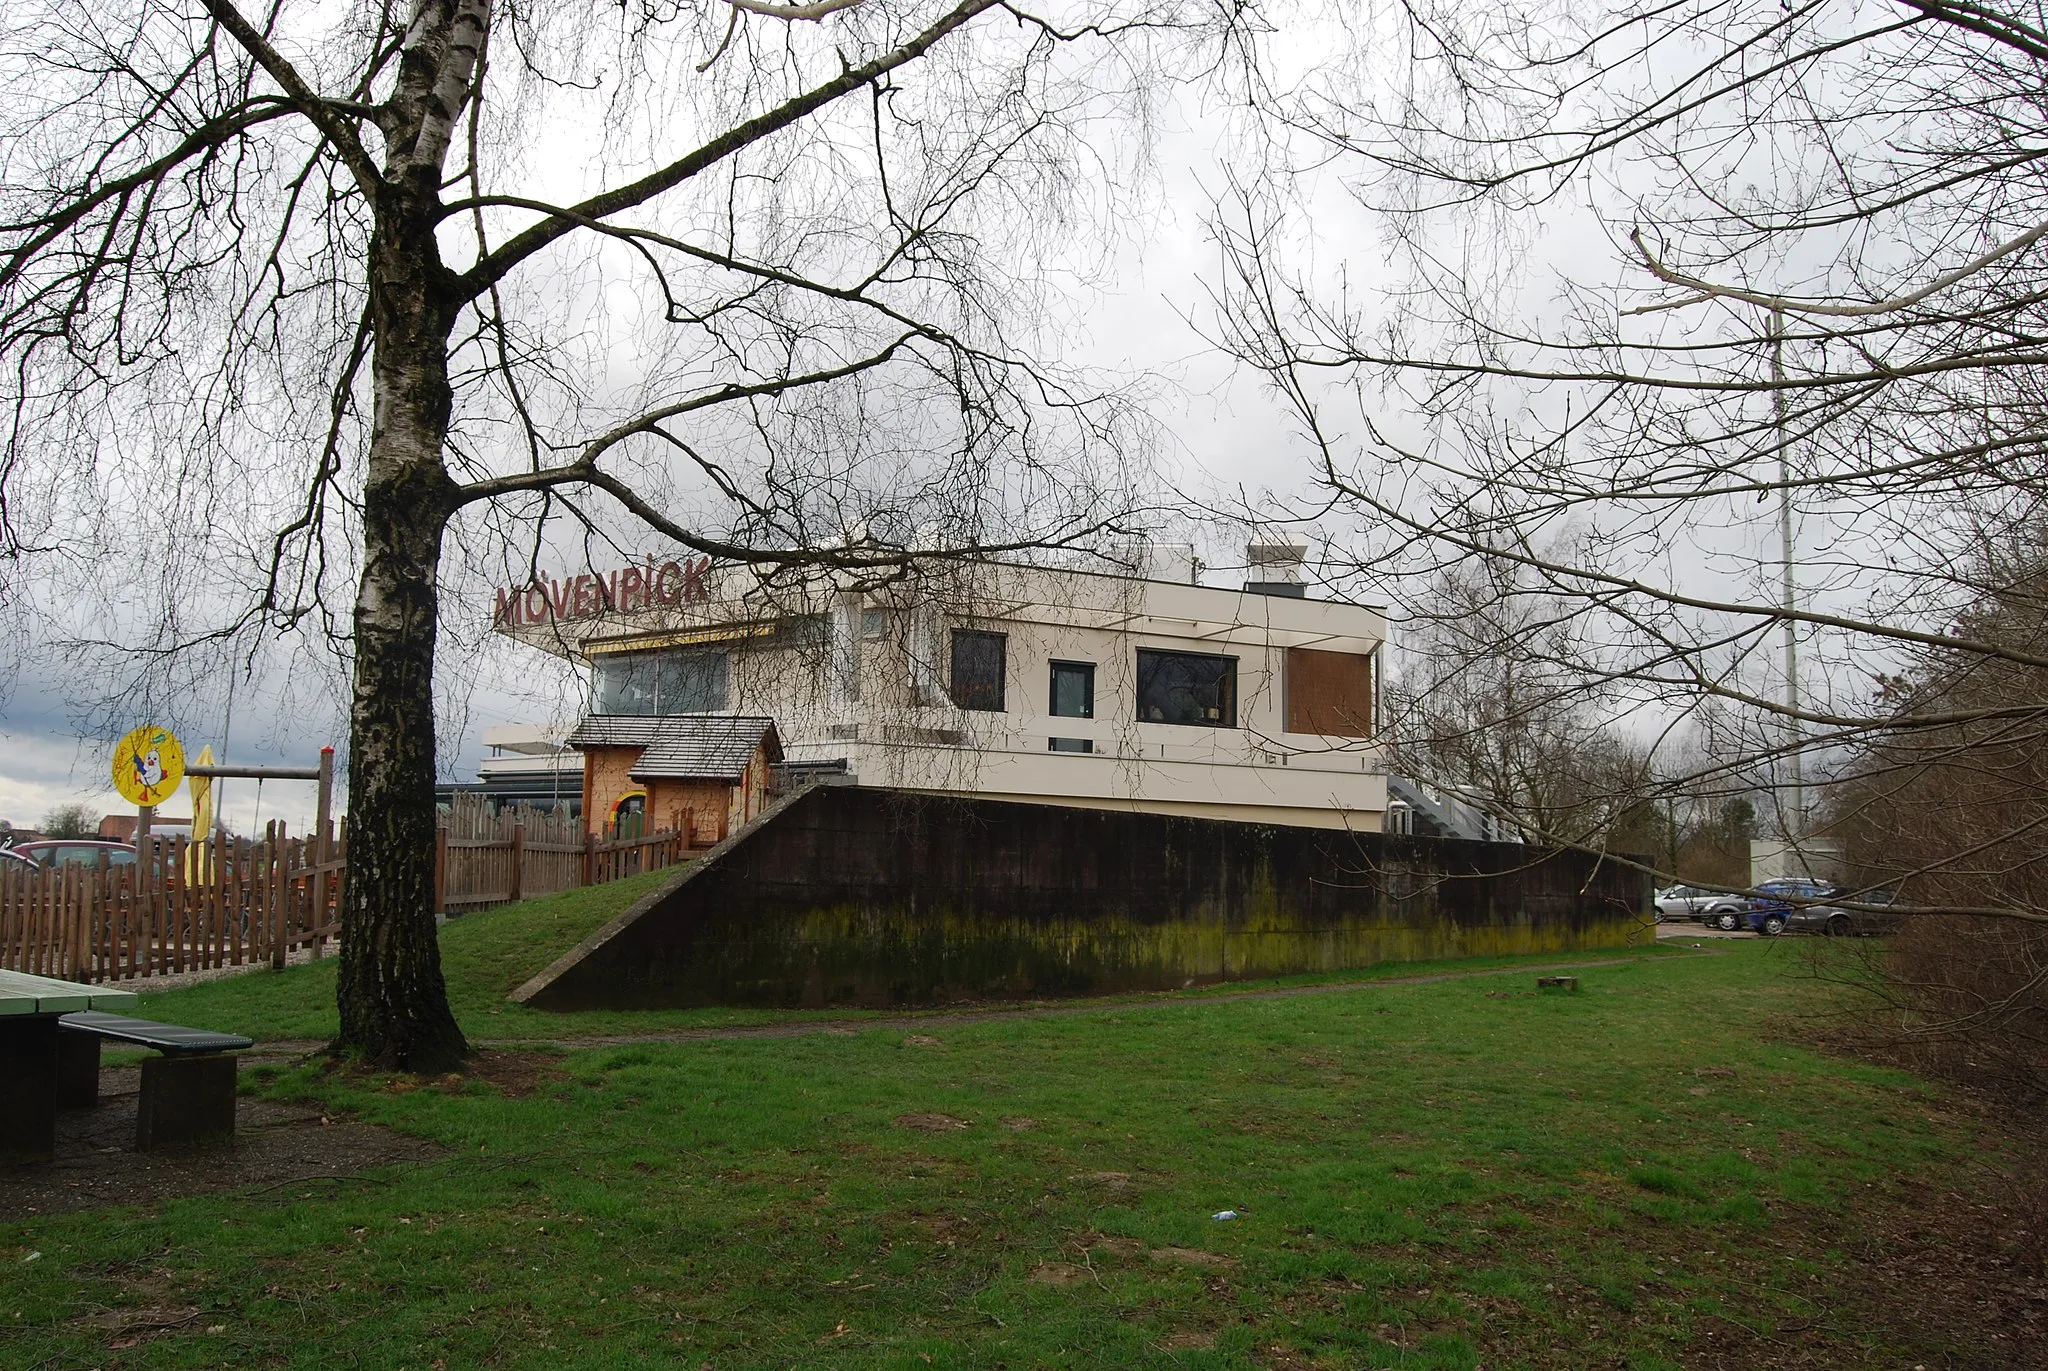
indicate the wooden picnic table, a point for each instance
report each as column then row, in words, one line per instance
column 29, row 1009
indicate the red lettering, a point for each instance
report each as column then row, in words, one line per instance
column 693, row 579
column 608, row 591
column 668, row 588
column 631, row 588
column 536, row 614
column 585, row 596
column 507, row 611
column 563, row 595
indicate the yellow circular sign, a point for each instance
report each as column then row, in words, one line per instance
column 148, row 765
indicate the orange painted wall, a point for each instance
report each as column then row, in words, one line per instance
column 604, row 781
column 715, row 808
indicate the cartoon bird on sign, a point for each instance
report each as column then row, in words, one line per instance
column 149, row 764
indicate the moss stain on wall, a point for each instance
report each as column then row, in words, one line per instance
column 854, row 895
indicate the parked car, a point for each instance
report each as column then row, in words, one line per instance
column 1771, row 909
column 14, row 861
column 1834, row 921
column 54, row 852
column 1715, row 908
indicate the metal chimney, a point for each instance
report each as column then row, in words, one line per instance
column 1275, row 569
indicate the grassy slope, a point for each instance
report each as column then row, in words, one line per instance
column 1431, row 1176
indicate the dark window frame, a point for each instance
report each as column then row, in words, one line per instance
column 989, row 694
column 1148, row 675
column 1087, row 672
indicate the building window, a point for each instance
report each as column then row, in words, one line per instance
column 1073, row 690
column 978, row 660
column 1187, row 688
column 659, row 683
column 1069, row 745
column 1329, row 693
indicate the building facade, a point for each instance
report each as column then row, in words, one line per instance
column 1011, row 682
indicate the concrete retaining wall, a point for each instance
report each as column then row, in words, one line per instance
column 862, row 896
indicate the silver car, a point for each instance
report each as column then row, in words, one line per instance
column 1836, row 922
column 1714, row 908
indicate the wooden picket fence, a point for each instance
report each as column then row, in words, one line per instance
column 225, row 901
column 494, row 857
column 201, row 903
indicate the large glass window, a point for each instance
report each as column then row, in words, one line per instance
column 1187, row 688
column 658, row 683
column 978, row 660
column 1073, row 690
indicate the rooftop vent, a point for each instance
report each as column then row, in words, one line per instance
column 1275, row 569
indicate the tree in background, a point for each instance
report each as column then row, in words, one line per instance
column 1951, row 810
column 1487, row 707
column 71, row 821
column 1721, row 323
column 307, row 297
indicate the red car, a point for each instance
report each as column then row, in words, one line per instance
column 54, row 852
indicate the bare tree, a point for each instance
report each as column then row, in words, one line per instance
column 1953, row 811
column 71, row 821
column 1489, row 704
column 1747, row 296
column 386, row 293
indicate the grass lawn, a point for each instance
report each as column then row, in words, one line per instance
column 1651, row 1173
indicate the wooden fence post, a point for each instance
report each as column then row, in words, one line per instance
column 518, row 858
column 589, row 854
column 281, row 901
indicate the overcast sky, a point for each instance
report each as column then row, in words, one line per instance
column 1222, row 432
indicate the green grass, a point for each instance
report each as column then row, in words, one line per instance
column 1447, row 1175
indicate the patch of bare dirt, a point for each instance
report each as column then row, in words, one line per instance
column 275, row 1147
column 1190, row 1256
column 517, row 1074
column 1059, row 1273
column 1019, row 1124
column 925, row 1122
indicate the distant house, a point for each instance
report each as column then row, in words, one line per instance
column 647, row 772
column 120, row 828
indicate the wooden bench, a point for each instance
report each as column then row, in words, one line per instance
column 188, row 1093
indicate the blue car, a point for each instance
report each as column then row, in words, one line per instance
column 1772, row 906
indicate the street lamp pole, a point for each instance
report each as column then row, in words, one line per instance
column 1794, row 815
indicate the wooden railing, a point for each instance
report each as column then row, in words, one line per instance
column 207, row 903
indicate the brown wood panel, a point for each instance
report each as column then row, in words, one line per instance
column 1329, row 693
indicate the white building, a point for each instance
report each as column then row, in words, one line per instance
column 1015, row 682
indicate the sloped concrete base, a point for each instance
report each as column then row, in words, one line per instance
column 854, row 895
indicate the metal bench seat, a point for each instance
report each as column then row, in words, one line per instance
column 188, row 1093
column 168, row 1038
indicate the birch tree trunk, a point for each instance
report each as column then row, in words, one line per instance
column 393, row 1000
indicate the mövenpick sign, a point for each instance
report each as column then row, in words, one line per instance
column 581, row 597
